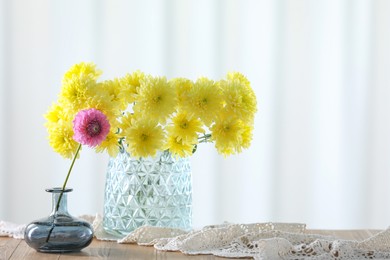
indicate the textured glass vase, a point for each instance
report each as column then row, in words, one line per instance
column 59, row 232
column 155, row 191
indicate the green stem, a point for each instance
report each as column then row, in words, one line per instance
column 204, row 138
column 67, row 177
column 62, row 190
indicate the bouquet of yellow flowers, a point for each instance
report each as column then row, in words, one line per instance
column 146, row 114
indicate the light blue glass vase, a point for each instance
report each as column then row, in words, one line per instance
column 154, row 191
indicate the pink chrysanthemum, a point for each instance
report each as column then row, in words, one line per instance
column 90, row 127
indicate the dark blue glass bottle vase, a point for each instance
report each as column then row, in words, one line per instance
column 59, row 232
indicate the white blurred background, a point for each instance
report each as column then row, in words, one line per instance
column 321, row 71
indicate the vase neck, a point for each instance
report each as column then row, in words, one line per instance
column 63, row 205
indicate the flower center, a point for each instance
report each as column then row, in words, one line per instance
column 202, row 103
column 94, row 128
column 144, row 137
column 184, row 125
column 157, row 99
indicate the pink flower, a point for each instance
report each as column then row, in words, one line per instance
column 90, row 127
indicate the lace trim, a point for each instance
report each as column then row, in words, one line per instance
column 259, row 240
column 8, row 229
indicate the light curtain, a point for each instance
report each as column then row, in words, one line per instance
column 321, row 147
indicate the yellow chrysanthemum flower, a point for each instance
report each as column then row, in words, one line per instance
column 79, row 88
column 156, row 98
column 76, row 92
column 205, row 101
column 227, row 134
column 111, row 92
column 236, row 100
column 240, row 99
column 144, row 138
column 178, row 147
column 234, row 75
column 61, row 139
column 110, row 144
column 250, row 104
column 185, row 128
column 130, row 84
column 247, row 136
column 82, row 69
column 54, row 115
column 182, row 87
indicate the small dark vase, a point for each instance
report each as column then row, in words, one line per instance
column 59, row 232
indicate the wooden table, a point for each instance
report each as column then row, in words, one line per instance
column 17, row 249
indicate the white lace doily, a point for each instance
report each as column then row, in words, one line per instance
column 259, row 240
column 8, row 229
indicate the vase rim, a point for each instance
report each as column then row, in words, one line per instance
column 58, row 189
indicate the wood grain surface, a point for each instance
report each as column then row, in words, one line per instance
column 17, row 249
